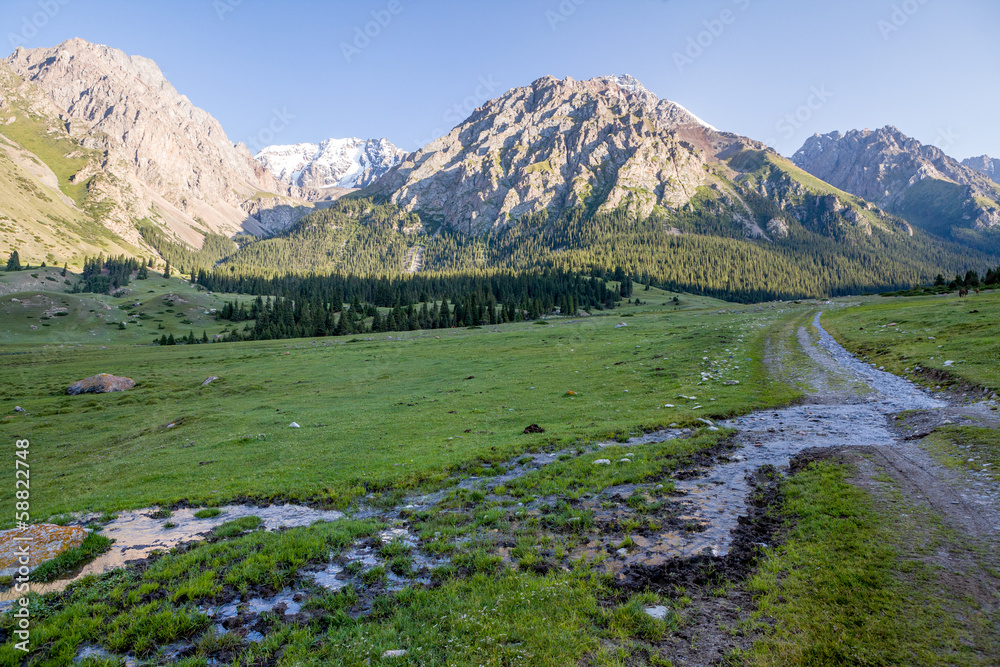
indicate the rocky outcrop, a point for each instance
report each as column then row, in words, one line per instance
column 101, row 384
column 46, row 541
column 985, row 164
column 605, row 143
column 156, row 155
column 905, row 177
column 334, row 163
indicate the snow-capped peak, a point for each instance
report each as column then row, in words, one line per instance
column 342, row 163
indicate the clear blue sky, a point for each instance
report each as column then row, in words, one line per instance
column 929, row 67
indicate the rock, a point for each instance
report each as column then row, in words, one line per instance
column 18, row 408
column 622, row 552
column 399, row 653
column 294, row 425
column 46, row 540
column 949, row 363
column 621, row 325
column 707, row 422
column 602, row 462
column 659, row 612
column 101, row 384
column 624, row 461
column 669, row 405
column 731, row 383
column 210, row 381
column 533, row 428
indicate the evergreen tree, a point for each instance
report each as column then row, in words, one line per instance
column 14, row 263
column 166, row 270
column 171, row 340
column 63, row 272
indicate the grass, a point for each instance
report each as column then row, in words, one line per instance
column 207, row 513
column 925, row 333
column 65, row 563
column 845, row 589
column 378, row 414
column 970, row 448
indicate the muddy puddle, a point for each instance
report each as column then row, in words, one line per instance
column 713, row 501
column 137, row 534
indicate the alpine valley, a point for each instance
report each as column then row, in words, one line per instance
column 102, row 155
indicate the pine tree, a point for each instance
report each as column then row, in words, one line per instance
column 166, row 270
column 204, row 336
column 63, row 272
column 14, row 263
column 171, row 340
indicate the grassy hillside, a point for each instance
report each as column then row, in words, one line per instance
column 40, row 311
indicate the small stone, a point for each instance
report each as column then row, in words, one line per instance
column 602, row 462
column 658, row 612
column 624, row 461
column 209, row 381
column 18, row 408
column 294, row 425
column 399, row 653
column 949, row 363
column 622, row 552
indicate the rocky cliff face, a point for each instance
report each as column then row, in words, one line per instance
column 985, row 164
column 604, row 143
column 903, row 176
column 334, row 163
column 160, row 156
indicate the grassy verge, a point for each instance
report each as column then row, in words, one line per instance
column 848, row 589
column 906, row 333
column 967, row 447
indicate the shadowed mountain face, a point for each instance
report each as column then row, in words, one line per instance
column 985, row 164
column 903, row 176
column 155, row 155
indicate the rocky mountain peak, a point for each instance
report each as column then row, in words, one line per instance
column 334, row 163
column 985, row 164
column 170, row 159
column 602, row 143
column 903, row 176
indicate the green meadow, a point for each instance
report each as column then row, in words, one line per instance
column 377, row 417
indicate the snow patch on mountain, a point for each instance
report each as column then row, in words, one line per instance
column 340, row 163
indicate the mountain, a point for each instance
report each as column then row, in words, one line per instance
column 125, row 146
column 986, row 164
column 334, row 163
column 601, row 145
column 920, row 183
column 604, row 174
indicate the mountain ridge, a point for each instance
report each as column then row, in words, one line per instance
column 916, row 181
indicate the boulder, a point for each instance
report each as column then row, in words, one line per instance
column 47, row 541
column 101, row 384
